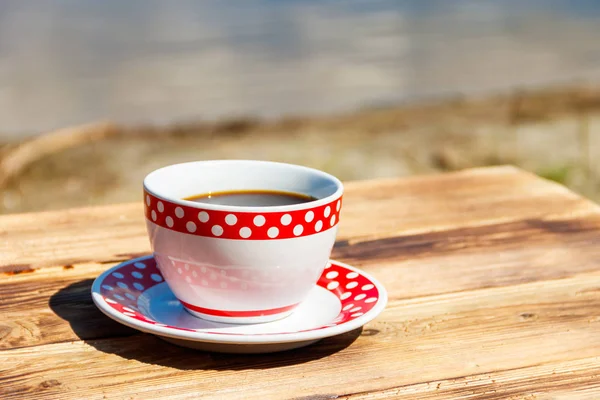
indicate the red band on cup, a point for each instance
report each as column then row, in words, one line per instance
column 222, row 313
column 241, row 225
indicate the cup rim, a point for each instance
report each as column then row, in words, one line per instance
column 251, row 209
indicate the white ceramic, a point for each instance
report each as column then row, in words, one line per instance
column 241, row 264
column 134, row 294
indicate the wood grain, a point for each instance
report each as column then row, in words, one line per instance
column 418, row 340
column 459, row 260
column 573, row 380
column 494, row 283
column 372, row 209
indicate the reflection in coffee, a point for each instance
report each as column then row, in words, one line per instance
column 252, row 198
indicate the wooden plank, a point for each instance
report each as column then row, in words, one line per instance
column 73, row 236
column 493, row 277
column 53, row 304
column 441, row 338
column 372, row 209
column 573, row 380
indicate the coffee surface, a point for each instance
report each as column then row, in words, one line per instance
column 252, row 198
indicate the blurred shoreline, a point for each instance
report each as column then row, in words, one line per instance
column 65, row 63
column 553, row 132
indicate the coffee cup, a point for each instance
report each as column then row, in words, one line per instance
column 242, row 260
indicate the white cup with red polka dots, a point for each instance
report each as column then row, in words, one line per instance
column 241, row 264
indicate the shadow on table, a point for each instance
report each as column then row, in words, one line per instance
column 74, row 304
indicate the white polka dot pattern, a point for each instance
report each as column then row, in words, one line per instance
column 203, row 216
column 190, row 226
column 318, row 226
column 122, row 288
column 230, row 219
column 245, row 232
column 259, row 220
column 286, row 219
column 298, row 229
column 309, row 216
column 242, row 225
column 273, row 232
column 355, row 291
column 331, row 275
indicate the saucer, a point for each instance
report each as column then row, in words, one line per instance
column 135, row 294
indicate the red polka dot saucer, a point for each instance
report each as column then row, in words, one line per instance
column 135, row 294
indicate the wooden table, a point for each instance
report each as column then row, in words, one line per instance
column 494, row 283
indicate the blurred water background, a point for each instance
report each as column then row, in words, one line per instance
column 65, row 62
column 360, row 88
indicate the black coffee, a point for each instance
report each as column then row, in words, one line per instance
column 252, row 198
